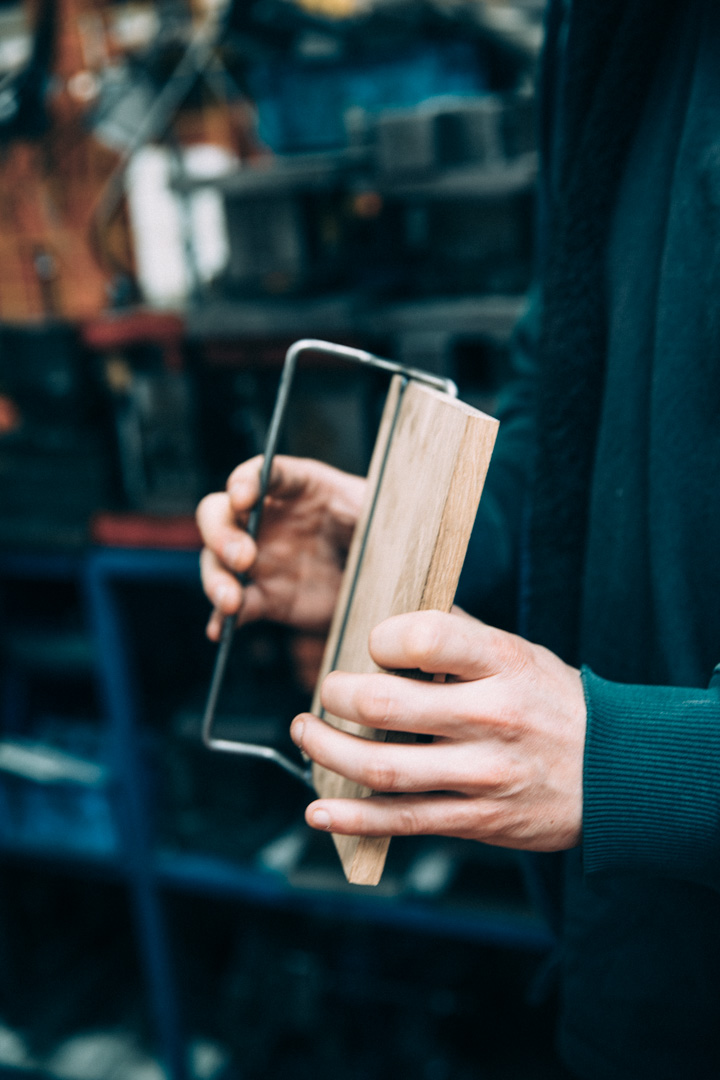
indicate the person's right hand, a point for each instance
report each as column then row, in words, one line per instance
column 307, row 523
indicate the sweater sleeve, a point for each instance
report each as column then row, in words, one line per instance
column 652, row 780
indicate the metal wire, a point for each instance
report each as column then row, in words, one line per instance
column 299, row 348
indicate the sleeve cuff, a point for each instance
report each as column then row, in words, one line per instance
column 652, row 780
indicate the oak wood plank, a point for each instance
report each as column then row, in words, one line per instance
column 424, row 485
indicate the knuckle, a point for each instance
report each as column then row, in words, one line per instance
column 513, row 712
column 426, row 637
column 466, row 820
column 516, row 654
column 375, row 708
column 238, row 551
column 245, row 469
column 225, row 597
column 409, row 820
column 518, row 728
column 492, row 821
column 382, row 776
column 513, row 724
column 498, row 779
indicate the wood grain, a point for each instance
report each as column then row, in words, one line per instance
column 424, row 485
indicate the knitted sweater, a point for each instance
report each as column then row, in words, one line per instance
column 624, row 530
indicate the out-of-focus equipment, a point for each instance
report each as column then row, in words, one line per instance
column 151, row 397
column 435, row 199
column 54, row 457
column 23, row 89
column 403, row 158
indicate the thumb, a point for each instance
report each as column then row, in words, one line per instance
column 440, row 643
column 289, row 478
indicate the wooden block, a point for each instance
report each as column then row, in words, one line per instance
column 426, row 476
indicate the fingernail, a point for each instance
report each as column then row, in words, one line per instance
column 321, row 819
column 235, row 552
column 297, row 730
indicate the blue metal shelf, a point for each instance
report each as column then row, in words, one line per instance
column 149, row 872
column 484, row 925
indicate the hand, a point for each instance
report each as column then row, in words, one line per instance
column 508, row 725
column 307, row 524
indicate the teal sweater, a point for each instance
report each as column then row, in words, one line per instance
column 640, row 939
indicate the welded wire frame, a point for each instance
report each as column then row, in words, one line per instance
column 298, row 349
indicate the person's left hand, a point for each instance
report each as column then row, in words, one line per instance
column 508, row 727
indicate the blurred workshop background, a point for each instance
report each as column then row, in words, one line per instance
column 186, row 187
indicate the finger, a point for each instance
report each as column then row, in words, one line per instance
column 385, row 767
column 221, row 587
column 436, row 642
column 436, row 814
column 243, row 485
column 250, row 608
column 393, row 703
column 221, row 534
column 214, row 626
column 288, row 479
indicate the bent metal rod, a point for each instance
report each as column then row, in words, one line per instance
column 298, row 349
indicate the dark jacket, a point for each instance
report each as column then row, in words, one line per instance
column 604, row 492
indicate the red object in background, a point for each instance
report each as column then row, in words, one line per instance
column 116, row 331
column 145, row 531
column 10, row 415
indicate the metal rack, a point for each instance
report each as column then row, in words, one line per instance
column 148, row 870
